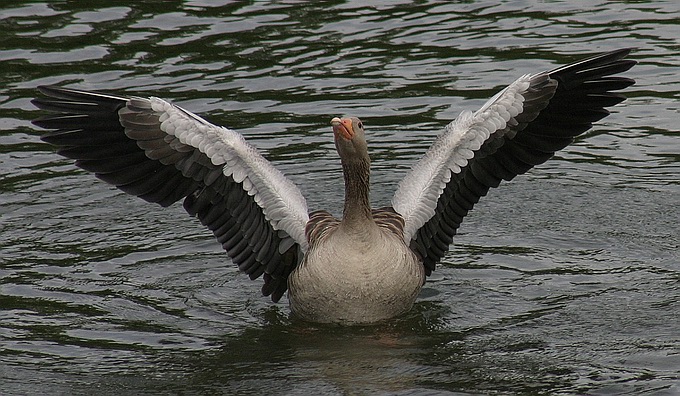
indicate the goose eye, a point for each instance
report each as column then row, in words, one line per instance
column 360, row 125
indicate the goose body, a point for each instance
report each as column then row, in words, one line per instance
column 355, row 276
column 370, row 264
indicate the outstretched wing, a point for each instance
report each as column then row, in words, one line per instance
column 520, row 127
column 162, row 153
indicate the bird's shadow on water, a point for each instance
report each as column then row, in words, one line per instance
column 419, row 351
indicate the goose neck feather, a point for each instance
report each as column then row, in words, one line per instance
column 357, row 209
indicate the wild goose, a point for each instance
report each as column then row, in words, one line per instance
column 371, row 264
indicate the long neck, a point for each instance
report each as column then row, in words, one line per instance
column 357, row 208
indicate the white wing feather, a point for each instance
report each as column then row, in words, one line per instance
column 417, row 194
column 280, row 200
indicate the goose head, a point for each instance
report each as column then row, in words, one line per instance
column 350, row 140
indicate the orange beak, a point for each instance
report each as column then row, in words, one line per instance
column 343, row 127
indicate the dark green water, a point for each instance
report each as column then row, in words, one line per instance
column 564, row 281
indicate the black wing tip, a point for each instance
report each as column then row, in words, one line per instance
column 623, row 82
column 42, row 103
column 601, row 67
column 48, row 89
column 57, row 91
column 627, row 64
column 614, row 55
column 601, row 58
column 621, row 52
column 62, row 103
column 46, row 122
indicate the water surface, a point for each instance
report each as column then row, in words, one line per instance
column 564, row 281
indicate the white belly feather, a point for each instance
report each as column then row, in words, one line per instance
column 346, row 280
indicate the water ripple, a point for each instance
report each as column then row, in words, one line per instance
column 563, row 281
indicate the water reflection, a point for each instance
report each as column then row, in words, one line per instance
column 410, row 355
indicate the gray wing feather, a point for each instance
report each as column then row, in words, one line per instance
column 163, row 153
column 520, row 127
